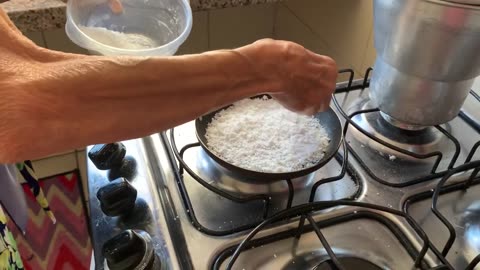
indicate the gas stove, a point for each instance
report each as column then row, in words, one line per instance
column 394, row 197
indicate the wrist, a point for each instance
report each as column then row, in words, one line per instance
column 256, row 66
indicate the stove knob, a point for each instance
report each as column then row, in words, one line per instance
column 106, row 156
column 127, row 168
column 131, row 249
column 117, row 198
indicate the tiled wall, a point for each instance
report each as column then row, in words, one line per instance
column 229, row 28
column 341, row 29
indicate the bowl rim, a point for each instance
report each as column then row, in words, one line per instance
column 180, row 39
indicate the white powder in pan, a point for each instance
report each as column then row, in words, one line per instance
column 261, row 135
column 130, row 41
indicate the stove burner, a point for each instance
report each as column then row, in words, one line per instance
column 417, row 140
column 399, row 124
column 348, row 263
column 236, row 183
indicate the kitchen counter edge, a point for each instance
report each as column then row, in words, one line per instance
column 43, row 15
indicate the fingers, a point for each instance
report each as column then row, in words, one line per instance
column 321, row 106
column 305, row 80
column 116, row 6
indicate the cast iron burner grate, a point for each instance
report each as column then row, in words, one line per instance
column 439, row 156
column 335, row 262
column 183, row 167
column 442, row 189
column 331, row 258
column 306, row 210
column 468, row 166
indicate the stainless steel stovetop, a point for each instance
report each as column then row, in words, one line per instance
column 368, row 208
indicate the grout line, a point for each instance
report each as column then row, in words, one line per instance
column 310, row 29
column 364, row 60
column 208, row 31
column 44, row 39
column 275, row 15
column 334, row 52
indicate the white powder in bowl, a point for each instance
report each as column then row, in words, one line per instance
column 261, row 135
column 129, row 41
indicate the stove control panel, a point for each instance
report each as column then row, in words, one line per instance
column 125, row 231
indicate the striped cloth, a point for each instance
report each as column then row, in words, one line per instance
column 9, row 256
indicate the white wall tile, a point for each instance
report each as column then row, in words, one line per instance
column 370, row 54
column 59, row 41
column 235, row 27
column 36, row 37
column 290, row 27
column 197, row 42
column 345, row 25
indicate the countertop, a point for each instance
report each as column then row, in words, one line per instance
column 40, row 15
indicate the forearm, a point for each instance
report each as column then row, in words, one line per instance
column 77, row 101
column 52, row 101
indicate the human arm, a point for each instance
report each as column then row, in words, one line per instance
column 54, row 101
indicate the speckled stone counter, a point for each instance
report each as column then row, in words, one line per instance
column 40, row 15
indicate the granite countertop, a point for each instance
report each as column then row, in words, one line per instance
column 40, row 15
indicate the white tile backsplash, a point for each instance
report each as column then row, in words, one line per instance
column 344, row 25
column 370, row 55
column 289, row 26
column 234, row 27
column 59, row 41
column 36, row 37
column 197, row 41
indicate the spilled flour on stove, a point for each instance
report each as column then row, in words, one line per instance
column 129, row 41
column 261, row 135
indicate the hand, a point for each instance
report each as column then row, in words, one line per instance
column 302, row 81
column 116, row 6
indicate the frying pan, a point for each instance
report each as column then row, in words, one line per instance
column 327, row 119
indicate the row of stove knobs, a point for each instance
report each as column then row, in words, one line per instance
column 131, row 249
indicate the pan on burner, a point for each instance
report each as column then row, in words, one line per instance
column 328, row 119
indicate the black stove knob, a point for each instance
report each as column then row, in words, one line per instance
column 106, row 156
column 131, row 249
column 127, row 168
column 117, row 198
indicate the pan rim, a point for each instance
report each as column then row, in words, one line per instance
column 271, row 176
